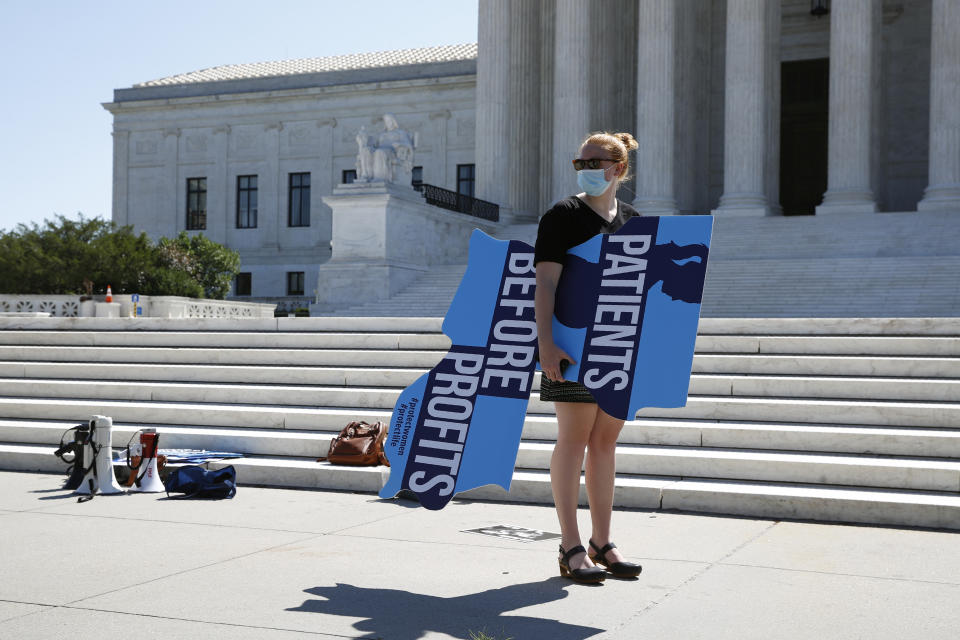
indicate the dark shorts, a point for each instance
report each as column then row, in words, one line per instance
column 551, row 391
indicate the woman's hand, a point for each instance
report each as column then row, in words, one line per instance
column 553, row 360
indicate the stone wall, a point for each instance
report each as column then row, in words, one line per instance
column 158, row 145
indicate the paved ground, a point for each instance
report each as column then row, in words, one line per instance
column 293, row 564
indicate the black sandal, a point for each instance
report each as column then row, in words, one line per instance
column 616, row 569
column 590, row 575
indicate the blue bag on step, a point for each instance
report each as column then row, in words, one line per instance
column 197, row 482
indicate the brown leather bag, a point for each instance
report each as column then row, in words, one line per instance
column 359, row 444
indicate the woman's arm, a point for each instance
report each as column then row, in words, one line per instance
column 548, row 275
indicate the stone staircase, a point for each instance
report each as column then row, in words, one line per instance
column 861, row 265
column 829, row 419
column 431, row 293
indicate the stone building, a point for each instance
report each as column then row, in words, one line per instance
column 245, row 153
column 743, row 108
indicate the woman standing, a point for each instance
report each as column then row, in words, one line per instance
column 601, row 164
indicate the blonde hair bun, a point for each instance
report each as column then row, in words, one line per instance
column 617, row 145
column 628, row 140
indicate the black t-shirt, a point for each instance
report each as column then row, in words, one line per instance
column 571, row 222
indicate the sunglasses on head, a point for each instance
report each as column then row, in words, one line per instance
column 593, row 163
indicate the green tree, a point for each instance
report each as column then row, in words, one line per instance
column 211, row 265
column 57, row 257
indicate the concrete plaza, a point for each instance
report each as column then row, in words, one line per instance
column 274, row 563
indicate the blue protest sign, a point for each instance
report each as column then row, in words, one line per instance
column 627, row 310
column 458, row 426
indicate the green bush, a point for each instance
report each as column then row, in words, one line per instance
column 209, row 264
column 57, row 257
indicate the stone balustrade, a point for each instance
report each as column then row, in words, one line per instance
column 71, row 306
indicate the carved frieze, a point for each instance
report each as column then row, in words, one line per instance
column 145, row 147
column 196, row 143
column 466, row 128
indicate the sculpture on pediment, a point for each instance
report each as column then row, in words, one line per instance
column 387, row 156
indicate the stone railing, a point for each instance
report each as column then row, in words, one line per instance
column 286, row 305
column 57, row 306
column 123, row 306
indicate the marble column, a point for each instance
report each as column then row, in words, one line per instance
column 771, row 90
column 525, row 151
column 571, row 95
column 748, row 117
column 691, row 161
column 613, row 38
column 272, row 215
column 121, row 168
column 854, row 47
column 221, row 149
column 943, row 192
column 493, row 93
column 176, row 192
column 548, row 27
column 437, row 173
column 322, row 185
column 656, row 106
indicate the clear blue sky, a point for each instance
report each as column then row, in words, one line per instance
column 61, row 59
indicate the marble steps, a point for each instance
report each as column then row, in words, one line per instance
column 371, row 387
column 775, row 287
column 523, row 231
column 875, row 345
column 249, row 441
column 181, row 356
column 881, row 286
column 760, row 446
column 826, row 365
column 430, row 294
column 861, row 326
column 354, row 366
column 780, row 500
column 878, row 235
column 236, row 340
column 901, row 265
column 276, row 400
column 400, row 374
column 251, row 429
column 924, row 413
column 378, row 324
column 920, row 474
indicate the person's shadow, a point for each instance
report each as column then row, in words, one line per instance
column 404, row 615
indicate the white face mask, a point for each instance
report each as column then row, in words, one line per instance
column 592, row 181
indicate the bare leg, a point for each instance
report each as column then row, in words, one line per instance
column 575, row 422
column 601, row 474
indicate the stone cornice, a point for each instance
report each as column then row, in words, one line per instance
column 466, row 80
column 299, row 81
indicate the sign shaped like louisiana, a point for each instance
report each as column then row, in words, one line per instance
column 627, row 310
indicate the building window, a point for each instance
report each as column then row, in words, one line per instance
column 294, row 283
column 349, row 176
column 196, row 204
column 243, row 284
column 298, row 206
column 246, row 202
column 465, row 179
column 416, row 178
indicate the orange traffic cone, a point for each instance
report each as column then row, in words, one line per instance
column 109, row 294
